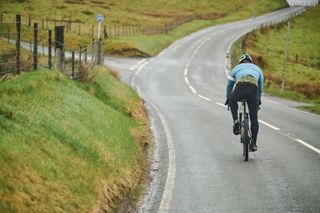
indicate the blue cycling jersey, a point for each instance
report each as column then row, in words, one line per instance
column 242, row 70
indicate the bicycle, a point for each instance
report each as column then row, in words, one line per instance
column 245, row 132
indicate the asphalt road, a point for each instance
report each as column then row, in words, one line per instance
column 197, row 163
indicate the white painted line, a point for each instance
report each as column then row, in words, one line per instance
column 187, row 81
column 137, row 73
column 205, row 98
column 194, row 54
column 163, row 52
column 229, row 48
column 304, row 112
column 136, row 65
column 220, row 104
column 185, row 71
column 308, row 145
column 192, row 89
column 168, row 190
column 269, row 125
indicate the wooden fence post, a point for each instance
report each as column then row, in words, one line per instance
column 72, row 66
column 99, row 52
column 93, row 51
column 29, row 21
column 85, row 54
column 105, row 32
column 35, row 46
column 80, row 53
column 59, row 45
column 49, row 49
column 18, row 27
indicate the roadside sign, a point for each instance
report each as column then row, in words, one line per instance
column 99, row 18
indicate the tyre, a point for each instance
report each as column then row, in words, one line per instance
column 245, row 140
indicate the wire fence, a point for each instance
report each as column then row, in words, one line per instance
column 32, row 55
column 42, row 52
column 80, row 28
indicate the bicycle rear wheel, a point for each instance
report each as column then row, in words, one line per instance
column 245, row 139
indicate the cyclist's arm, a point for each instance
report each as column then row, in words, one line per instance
column 260, row 85
column 230, row 85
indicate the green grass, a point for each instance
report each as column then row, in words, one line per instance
column 151, row 13
column 303, row 66
column 68, row 146
column 143, row 45
column 133, row 12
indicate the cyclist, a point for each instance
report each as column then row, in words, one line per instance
column 245, row 82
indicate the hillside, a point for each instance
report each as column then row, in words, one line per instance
column 68, row 146
column 122, row 17
column 303, row 67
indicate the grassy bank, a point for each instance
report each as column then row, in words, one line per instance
column 303, row 67
column 143, row 45
column 69, row 146
column 138, row 13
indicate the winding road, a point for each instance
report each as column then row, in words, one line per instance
column 197, row 162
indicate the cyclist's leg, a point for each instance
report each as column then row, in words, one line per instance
column 253, row 104
column 233, row 103
column 240, row 91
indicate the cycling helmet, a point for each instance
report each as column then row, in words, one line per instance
column 245, row 56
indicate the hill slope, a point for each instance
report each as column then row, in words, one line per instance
column 67, row 146
column 142, row 13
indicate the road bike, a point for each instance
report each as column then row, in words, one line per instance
column 245, row 132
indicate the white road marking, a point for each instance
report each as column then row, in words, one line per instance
column 187, row 81
column 308, row 145
column 168, row 190
column 288, row 134
column 138, row 71
column 193, row 90
column 195, row 52
column 269, row 125
column 305, row 112
column 163, row 52
column 185, row 71
column 136, row 65
column 205, row 98
column 220, row 104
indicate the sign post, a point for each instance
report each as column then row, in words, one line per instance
column 285, row 60
column 99, row 19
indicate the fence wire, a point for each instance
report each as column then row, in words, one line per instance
column 74, row 62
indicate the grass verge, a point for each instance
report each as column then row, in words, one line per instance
column 68, row 146
column 303, row 66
